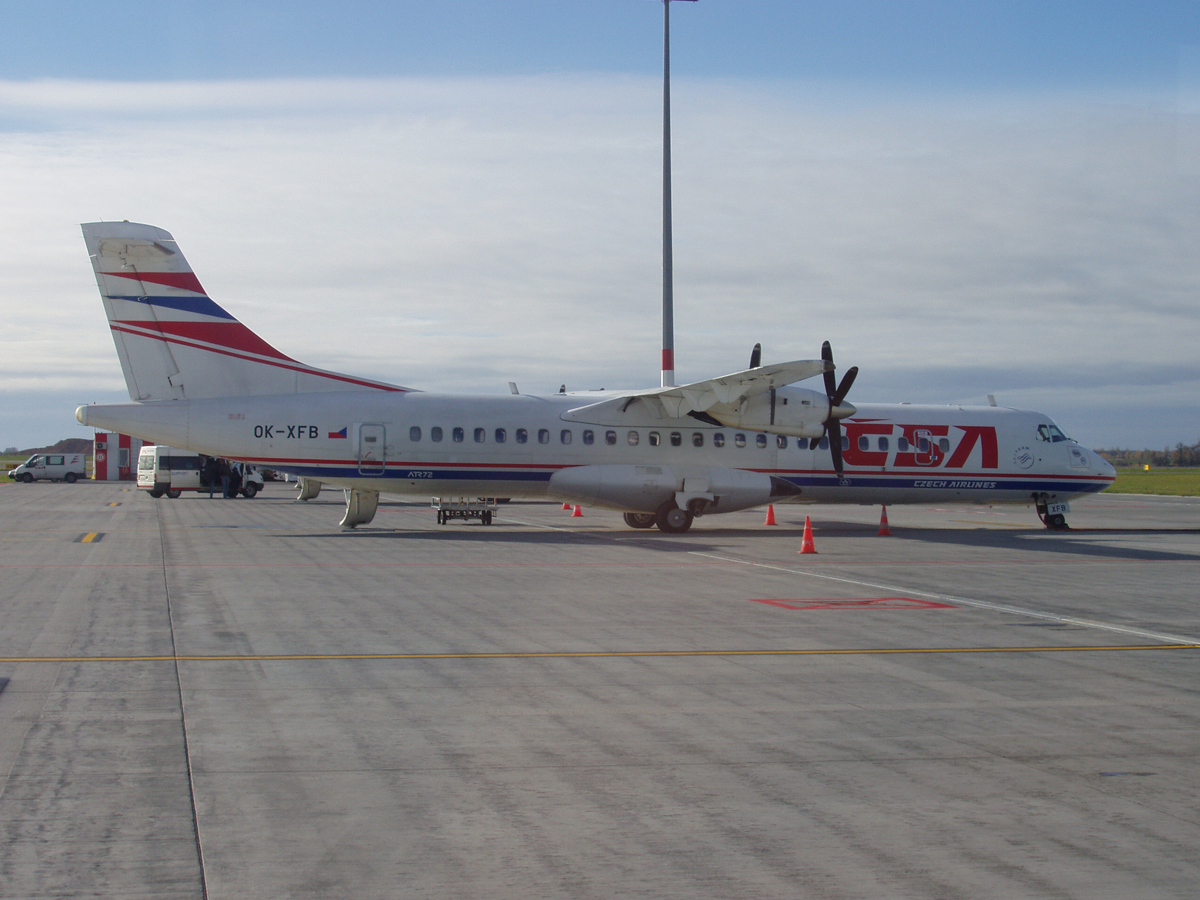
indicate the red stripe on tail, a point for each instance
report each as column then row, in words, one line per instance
column 233, row 335
column 185, row 281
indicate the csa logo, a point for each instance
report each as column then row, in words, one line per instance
column 1023, row 457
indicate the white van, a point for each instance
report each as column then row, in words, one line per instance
column 68, row 467
column 165, row 470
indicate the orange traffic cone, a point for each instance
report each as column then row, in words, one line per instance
column 806, row 545
column 884, row 531
column 578, row 513
column 566, row 506
column 770, row 514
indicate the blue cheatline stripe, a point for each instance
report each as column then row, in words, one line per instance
column 948, row 483
column 317, row 472
column 401, row 473
column 202, row 306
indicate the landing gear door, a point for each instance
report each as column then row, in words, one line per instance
column 370, row 449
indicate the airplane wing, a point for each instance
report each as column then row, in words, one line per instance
column 702, row 396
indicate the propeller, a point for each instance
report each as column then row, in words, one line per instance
column 836, row 393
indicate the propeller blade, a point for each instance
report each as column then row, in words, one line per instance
column 835, row 446
column 756, row 356
column 830, row 381
column 844, row 388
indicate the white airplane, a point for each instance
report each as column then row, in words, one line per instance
column 203, row 381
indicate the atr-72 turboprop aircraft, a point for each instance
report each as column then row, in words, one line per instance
column 203, row 381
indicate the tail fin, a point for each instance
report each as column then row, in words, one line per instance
column 173, row 341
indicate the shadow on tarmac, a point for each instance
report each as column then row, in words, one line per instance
column 1077, row 543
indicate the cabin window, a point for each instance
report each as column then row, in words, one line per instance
column 610, row 437
column 719, row 439
column 435, row 434
column 845, row 442
column 676, row 439
column 543, row 435
column 760, row 440
column 883, row 444
column 522, row 435
column 739, row 440
column 414, row 433
column 801, row 443
column 589, row 437
column 457, row 434
column 864, row 442
column 501, row 435
column 632, row 437
column 923, row 445
column 697, row 438
column 824, row 443
column 565, row 436
column 480, row 435
column 944, row 443
column 781, row 441
column 655, row 439
column 902, row 444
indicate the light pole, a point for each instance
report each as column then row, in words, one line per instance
column 668, row 314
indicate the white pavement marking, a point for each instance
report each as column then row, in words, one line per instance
column 978, row 604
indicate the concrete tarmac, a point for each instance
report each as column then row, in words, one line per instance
column 237, row 699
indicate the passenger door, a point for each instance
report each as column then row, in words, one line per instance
column 371, row 459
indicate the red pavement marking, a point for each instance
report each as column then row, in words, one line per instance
column 864, row 603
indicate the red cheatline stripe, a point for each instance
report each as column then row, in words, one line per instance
column 233, row 335
column 185, row 281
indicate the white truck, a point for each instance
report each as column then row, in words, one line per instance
column 68, row 467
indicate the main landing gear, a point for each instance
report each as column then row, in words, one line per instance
column 670, row 519
column 640, row 520
column 1051, row 513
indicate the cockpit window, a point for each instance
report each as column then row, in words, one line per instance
column 1051, row 433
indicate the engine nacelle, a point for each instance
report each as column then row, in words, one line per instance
column 706, row 489
column 788, row 410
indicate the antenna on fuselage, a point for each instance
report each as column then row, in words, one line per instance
column 668, row 314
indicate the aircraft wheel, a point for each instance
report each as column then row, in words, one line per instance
column 27, row 478
column 1058, row 522
column 175, row 495
column 671, row 519
column 640, row 520
column 250, row 490
column 69, row 478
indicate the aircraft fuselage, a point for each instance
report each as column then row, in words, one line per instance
column 428, row 444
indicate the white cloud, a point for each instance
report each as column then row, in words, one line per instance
column 456, row 234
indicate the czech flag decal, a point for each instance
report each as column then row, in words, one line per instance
column 338, row 434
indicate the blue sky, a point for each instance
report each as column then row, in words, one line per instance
column 948, row 45
column 964, row 198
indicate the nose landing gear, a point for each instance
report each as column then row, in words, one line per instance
column 1051, row 513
